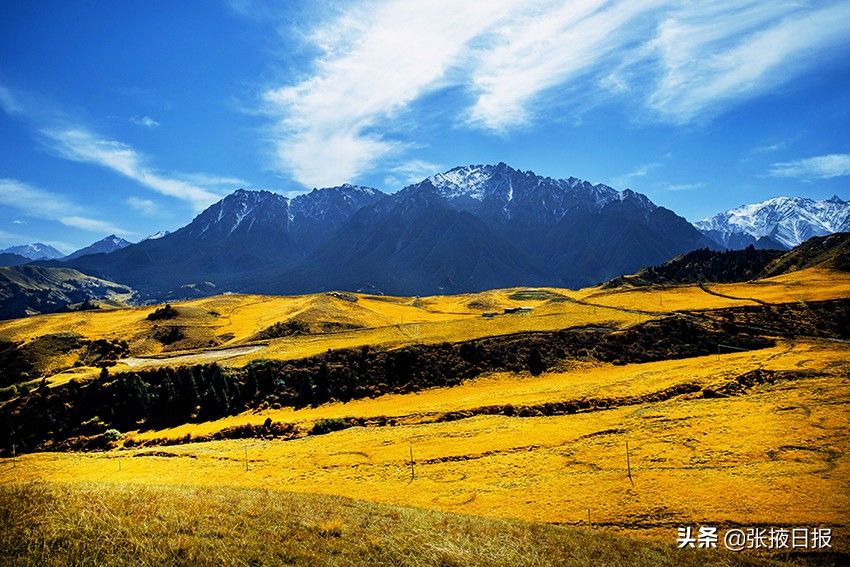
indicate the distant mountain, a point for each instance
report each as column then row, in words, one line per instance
column 412, row 242
column 158, row 234
column 30, row 290
column 109, row 244
column 245, row 232
column 484, row 226
column 7, row 259
column 781, row 222
column 35, row 251
column 469, row 228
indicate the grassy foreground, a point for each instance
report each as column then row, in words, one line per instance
column 103, row 524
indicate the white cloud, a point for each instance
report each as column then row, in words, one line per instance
column 145, row 121
column 80, row 145
column 640, row 171
column 43, row 204
column 684, row 186
column 94, row 225
column 9, row 102
column 519, row 60
column 19, row 221
column 217, row 181
column 769, row 148
column 710, row 55
column 144, row 206
column 412, row 171
column 548, row 48
column 375, row 60
column 818, row 167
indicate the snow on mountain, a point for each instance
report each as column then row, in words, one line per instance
column 158, row 235
column 104, row 246
column 499, row 192
column 35, row 251
column 786, row 220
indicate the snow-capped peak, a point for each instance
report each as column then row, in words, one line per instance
column 35, row 251
column 507, row 193
column 787, row 220
column 466, row 181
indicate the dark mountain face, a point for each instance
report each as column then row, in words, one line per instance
column 109, row 244
column 245, row 232
column 480, row 227
column 8, row 259
column 469, row 228
column 414, row 242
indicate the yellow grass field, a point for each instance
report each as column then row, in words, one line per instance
column 216, row 328
column 774, row 454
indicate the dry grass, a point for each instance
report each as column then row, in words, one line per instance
column 46, row 524
column 775, row 455
column 232, row 320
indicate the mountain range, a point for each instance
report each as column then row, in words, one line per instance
column 781, row 222
column 34, row 251
column 469, row 228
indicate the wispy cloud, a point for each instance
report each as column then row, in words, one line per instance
column 375, row 60
column 818, row 167
column 9, row 102
column 81, row 145
column 19, row 221
column 78, row 143
column 145, row 121
column 410, row 172
column 144, row 206
column 712, row 54
column 510, row 63
column 640, row 171
column 684, row 186
column 769, row 148
column 47, row 205
column 215, row 181
column 554, row 44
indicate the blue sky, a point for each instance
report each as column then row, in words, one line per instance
column 131, row 117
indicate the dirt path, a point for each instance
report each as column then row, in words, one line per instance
column 191, row 358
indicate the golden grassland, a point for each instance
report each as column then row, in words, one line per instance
column 777, row 454
column 215, row 326
column 95, row 524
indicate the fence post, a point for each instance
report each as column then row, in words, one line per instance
column 629, row 465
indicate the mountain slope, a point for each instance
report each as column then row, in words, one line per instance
column 831, row 252
column 523, row 229
column 27, row 290
column 786, row 221
column 35, row 251
column 410, row 243
column 469, row 228
column 245, row 232
column 9, row 259
column 109, row 244
column 712, row 266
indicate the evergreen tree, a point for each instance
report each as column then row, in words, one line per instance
column 535, row 362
